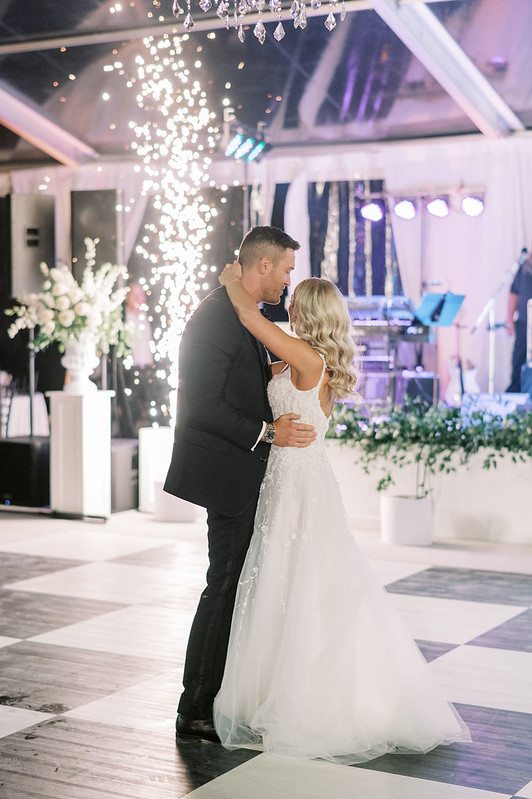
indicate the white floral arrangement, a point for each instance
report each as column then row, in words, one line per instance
column 65, row 310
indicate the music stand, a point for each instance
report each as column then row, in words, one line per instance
column 435, row 311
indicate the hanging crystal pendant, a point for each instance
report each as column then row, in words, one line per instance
column 205, row 5
column 275, row 6
column 279, row 32
column 330, row 22
column 260, row 31
column 241, row 34
column 315, row 4
column 222, row 8
column 176, row 9
column 302, row 19
column 294, row 9
column 259, row 5
column 343, row 12
column 189, row 23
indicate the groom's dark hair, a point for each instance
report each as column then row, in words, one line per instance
column 264, row 237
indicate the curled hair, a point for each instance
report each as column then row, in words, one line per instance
column 320, row 317
column 264, row 240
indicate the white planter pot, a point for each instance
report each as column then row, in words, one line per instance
column 406, row 520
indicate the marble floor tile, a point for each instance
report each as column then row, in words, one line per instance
column 139, row 631
column 468, row 584
column 269, row 777
column 13, row 719
column 450, row 620
column 86, row 544
column 110, row 582
column 526, row 792
column 495, row 678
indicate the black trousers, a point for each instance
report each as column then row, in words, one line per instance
column 229, row 538
column 518, row 356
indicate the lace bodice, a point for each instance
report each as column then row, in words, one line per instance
column 286, row 398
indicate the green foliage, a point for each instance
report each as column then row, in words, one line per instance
column 437, row 439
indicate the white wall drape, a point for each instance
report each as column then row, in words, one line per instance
column 467, row 256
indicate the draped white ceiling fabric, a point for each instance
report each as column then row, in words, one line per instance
column 467, row 256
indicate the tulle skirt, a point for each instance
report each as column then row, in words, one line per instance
column 320, row 664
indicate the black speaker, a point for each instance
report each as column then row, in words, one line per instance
column 27, row 237
column 96, row 215
column 417, row 385
column 25, row 471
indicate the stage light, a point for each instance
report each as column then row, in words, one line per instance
column 439, row 206
column 472, row 205
column 257, row 150
column 405, row 209
column 245, row 148
column 234, row 144
column 372, row 211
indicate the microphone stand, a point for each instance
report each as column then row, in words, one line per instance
column 489, row 310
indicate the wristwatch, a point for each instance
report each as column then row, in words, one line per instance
column 269, row 435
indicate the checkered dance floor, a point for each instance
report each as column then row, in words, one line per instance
column 94, row 620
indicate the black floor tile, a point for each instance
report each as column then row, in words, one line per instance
column 24, row 614
column 15, row 566
column 472, row 585
column 498, row 759
column 514, row 634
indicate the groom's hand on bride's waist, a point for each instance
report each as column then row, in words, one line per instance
column 289, row 432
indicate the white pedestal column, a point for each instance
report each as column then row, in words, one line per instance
column 80, row 453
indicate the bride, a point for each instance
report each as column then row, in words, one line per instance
column 320, row 665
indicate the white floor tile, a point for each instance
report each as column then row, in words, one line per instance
column 151, row 632
column 270, row 777
column 526, row 792
column 478, row 675
column 111, row 582
column 388, row 571
column 13, row 719
column 87, row 543
column 150, row 705
column 450, row 621
column 5, row 641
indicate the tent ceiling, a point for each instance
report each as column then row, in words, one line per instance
column 390, row 70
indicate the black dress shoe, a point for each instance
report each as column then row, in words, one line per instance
column 196, row 728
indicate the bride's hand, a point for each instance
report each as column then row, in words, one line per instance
column 231, row 272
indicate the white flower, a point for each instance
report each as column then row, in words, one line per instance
column 44, row 315
column 82, row 309
column 58, row 289
column 48, row 328
column 66, row 318
column 62, row 303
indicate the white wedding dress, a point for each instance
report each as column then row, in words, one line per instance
column 320, row 664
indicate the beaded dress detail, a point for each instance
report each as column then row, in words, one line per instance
column 320, row 664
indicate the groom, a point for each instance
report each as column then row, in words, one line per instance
column 223, row 436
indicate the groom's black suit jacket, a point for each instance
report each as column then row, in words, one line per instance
column 221, row 404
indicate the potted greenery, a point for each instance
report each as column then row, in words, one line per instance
column 431, row 440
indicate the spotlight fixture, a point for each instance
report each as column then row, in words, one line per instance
column 245, row 144
column 405, row 209
column 372, row 211
column 438, row 206
column 472, row 205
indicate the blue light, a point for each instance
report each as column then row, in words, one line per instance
column 245, row 148
column 256, row 151
column 234, row 144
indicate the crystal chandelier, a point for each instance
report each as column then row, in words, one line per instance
column 233, row 14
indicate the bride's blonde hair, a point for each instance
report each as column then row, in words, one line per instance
column 320, row 317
